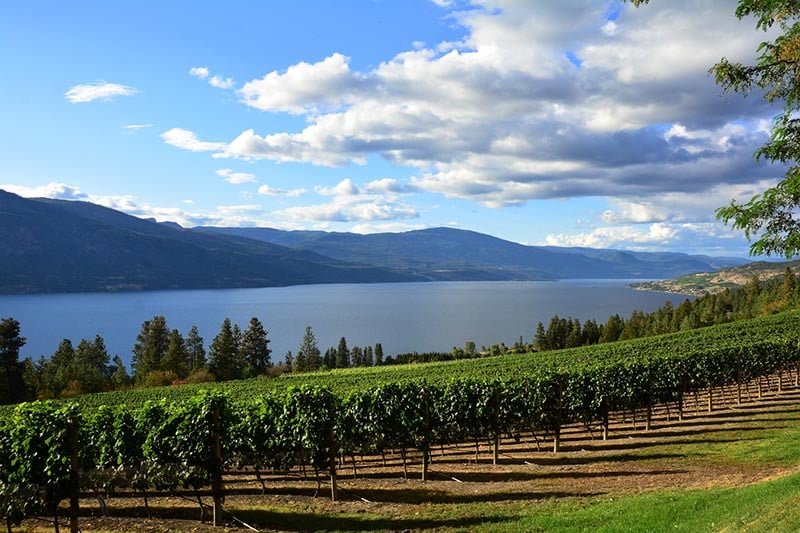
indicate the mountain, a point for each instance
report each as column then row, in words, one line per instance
column 66, row 246
column 453, row 254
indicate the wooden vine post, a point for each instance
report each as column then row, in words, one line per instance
column 74, row 484
column 426, row 429
column 557, row 422
column 496, row 423
column 332, row 449
column 216, row 476
column 604, row 411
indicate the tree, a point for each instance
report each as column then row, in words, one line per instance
column 58, row 370
column 152, row 343
column 369, row 357
column 120, row 377
column 12, row 383
column 254, row 350
column 195, row 351
column 378, row 354
column 770, row 217
column 308, row 355
column 176, row 359
column 357, row 356
column 91, row 371
column 224, row 360
column 342, row 354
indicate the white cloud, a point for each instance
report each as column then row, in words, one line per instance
column 221, row 83
column 236, row 178
column 346, row 187
column 271, row 191
column 60, row 191
column 199, row 72
column 100, row 90
column 303, row 87
column 187, row 140
column 502, row 116
column 338, row 211
column 133, row 128
column 610, row 237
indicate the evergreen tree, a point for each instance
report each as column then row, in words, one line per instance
column 308, row 355
column 195, row 350
column 224, row 354
column 342, row 354
column 91, row 370
column 539, row 338
column 151, row 345
column 288, row 361
column 120, row 377
column 329, row 359
column 356, row 356
column 254, row 350
column 369, row 357
column 12, row 383
column 378, row 354
column 176, row 359
column 58, row 372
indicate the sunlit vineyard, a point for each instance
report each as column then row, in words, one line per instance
column 180, row 437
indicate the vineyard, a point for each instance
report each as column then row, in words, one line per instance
column 193, row 441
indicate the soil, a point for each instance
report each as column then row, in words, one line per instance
column 631, row 461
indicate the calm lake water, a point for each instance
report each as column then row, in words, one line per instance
column 404, row 317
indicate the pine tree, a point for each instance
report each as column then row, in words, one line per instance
column 151, row 345
column 224, row 359
column 356, row 356
column 12, row 383
column 176, row 359
column 368, row 356
column 342, row 354
column 195, row 350
column 254, row 350
column 308, row 355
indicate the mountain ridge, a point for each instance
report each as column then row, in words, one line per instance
column 54, row 245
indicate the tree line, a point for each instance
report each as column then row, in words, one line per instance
column 163, row 356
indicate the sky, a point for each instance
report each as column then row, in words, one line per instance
column 569, row 123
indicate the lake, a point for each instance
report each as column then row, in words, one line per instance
column 404, row 317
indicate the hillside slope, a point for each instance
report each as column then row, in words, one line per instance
column 447, row 253
column 60, row 246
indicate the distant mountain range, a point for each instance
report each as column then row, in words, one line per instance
column 67, row 246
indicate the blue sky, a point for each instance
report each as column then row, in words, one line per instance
column 582, row 122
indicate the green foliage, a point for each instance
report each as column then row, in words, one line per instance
column 224, row 361
column 12, row 383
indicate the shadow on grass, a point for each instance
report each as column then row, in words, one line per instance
column 637, row 445
column 285, row 521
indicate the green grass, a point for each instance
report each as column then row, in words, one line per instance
column 767, row 506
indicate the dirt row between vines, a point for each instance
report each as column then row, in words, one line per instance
column 632, row 460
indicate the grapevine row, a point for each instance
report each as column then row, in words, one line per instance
column 48, row 449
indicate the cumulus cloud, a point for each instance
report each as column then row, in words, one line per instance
column 236, row 178
column 199, row 72
column 60, row 191
column 304, row 87
column 100, row 90
column 503, row 116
